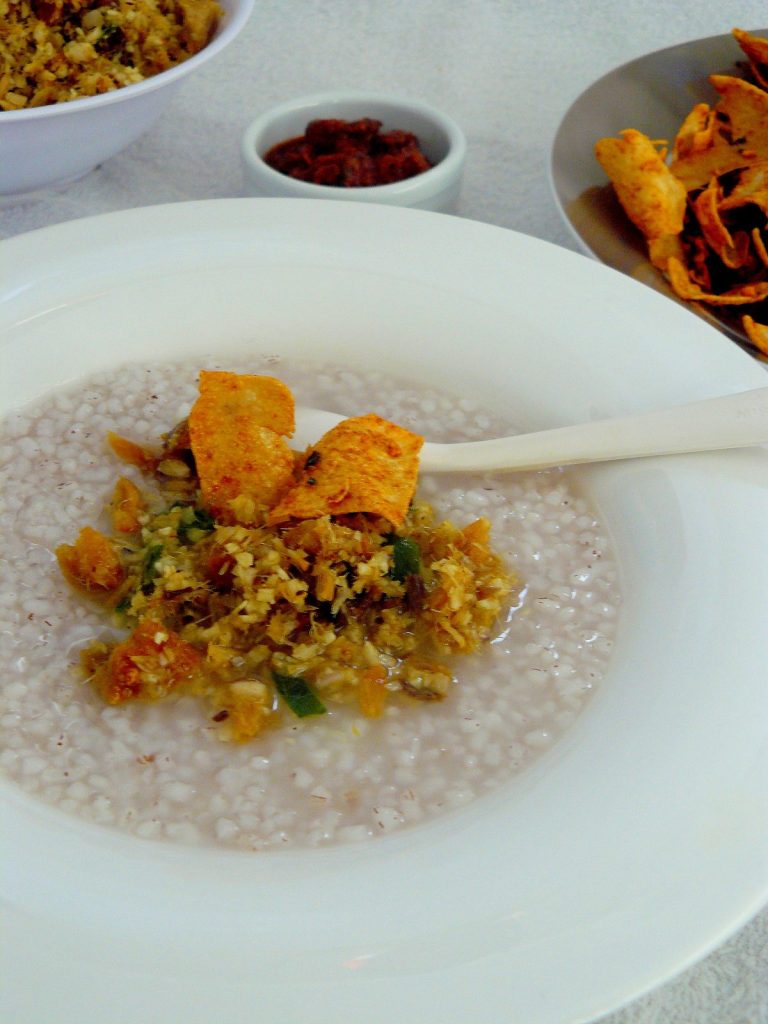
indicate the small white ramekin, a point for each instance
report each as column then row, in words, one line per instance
column 441, row 140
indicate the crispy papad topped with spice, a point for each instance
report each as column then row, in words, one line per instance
column 269, row 582
column 703, row 206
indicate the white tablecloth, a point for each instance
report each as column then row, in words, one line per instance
column 507, row 70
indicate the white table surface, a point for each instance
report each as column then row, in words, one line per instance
column 507, row 70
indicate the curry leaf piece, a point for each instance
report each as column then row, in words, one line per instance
column 297, row 694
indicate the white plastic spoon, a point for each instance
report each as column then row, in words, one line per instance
column 732, row 421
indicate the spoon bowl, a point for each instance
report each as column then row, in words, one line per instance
column 729, row 421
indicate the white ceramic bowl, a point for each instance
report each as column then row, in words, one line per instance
column 55, row 144
column 441, row 139
column 633, row 847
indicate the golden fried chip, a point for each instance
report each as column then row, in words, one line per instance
column 697, row 262
column 740, row 138
column 652, row 197
column 243, row 464
column 756, row 50
column 757, row 334
column 695, row 134
column 265, row 401
column 734, row 253
column 687, row 289
column 365, row 464
column 758, row 244
column 751, row 187
column 660, row 249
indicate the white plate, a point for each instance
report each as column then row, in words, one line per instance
column 632, row 849
column 653, row 94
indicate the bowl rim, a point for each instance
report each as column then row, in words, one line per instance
column 234, row 20
column 449, row 167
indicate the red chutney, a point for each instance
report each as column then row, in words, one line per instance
column 349, row 154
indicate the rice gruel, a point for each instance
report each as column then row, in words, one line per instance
column 341, row 778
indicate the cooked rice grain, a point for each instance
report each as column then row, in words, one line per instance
column 160, row 771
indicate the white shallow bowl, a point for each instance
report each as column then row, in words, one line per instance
column 441, row 140
column 653, row 93
column 630, row 850
column 52, row 145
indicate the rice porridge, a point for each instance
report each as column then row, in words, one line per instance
column 159, row 770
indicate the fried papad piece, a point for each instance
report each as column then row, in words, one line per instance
column 695, row 134
column 652, row 197
column 756, row 51
column 264, row 400
column 740, row 137
column 751, row 187
column 732, row 250
column 364, row 464
column 243, row 463
column 686, row 288
column 757, row 333
column 662, row 248
column 759, row 246
column 697, row 258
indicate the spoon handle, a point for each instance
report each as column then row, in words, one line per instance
column 731, row 421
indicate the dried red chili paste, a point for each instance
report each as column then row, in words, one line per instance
column 349, row 154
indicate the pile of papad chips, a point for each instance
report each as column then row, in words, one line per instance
column 704, row 208
column 238, row 430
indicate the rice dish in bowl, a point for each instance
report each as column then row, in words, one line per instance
column 53, row 52
column 160, row 771
column 79, row 99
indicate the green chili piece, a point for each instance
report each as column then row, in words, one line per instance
column 297, row 694
column 406, row 558
column 154, row 553
column 194, row 525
